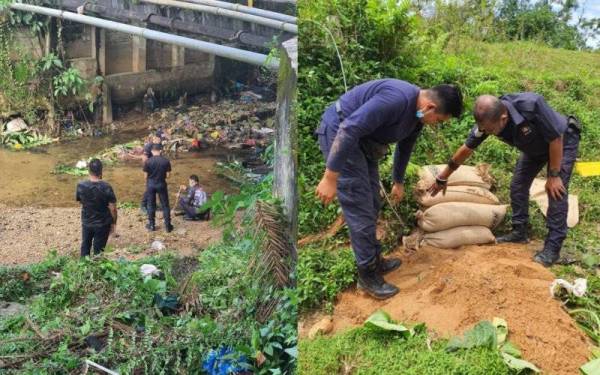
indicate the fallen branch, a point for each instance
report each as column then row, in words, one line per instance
column 35, row 328
column 333, row 229
column 99, row 367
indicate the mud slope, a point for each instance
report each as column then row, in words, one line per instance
column 451, row 290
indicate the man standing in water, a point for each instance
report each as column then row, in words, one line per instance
column 147, row 154
column 156, row 170
column 98, row 210
column 354, row 136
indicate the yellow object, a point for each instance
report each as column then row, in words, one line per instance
column 250, row 3
column 591, row 168
column 18, row 146
column 215, row 135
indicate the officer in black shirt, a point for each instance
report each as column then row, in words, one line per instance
column 545, row 138
column 98, row 210
column 147, row 154
column 157, row 170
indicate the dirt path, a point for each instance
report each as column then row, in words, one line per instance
column 451, row 290
column 27, row 235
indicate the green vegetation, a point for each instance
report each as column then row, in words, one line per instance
column 23, row 139
column 482, row 53
column 232, row 305
column 363, row 351
column 33, row 86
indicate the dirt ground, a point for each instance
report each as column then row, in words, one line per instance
column 451, row 290
column 27, row 235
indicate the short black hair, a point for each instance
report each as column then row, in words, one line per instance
column 156, row 147
column 95, row 167
column 195, row 178
column 449, row 100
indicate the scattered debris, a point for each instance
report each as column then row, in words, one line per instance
column 157, row 245
column 98, row 367
column 149, row 270
column 578, row 288
column 11, row 308
column 16, row 125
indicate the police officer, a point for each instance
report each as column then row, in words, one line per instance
column 157, row 169
column 147, row 154
column 353, row 136
column 543, row 136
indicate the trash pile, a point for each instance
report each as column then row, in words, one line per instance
column 18, row 136
column 231, row 124
column 464, row 215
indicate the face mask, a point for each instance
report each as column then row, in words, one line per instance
column 420, row 114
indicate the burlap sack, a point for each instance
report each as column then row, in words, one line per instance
column 455, row 214
column 470, row 194
column 465, row 175
column 537, row 193
column 459, row 236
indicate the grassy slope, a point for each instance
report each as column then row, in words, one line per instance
column 570, row 81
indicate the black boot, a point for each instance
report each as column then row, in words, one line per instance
column 150, row 227
column 518, row 235
column 168, row 227
column 373, row 283
column 546, row 257
column 387, row 265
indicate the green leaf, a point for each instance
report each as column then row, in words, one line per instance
column 501, row 329
column 482, row 335
column 510, row 349
column 518, row 364
column 591, row 368
column 591, row 260
column 86, row 328
column 380, row 320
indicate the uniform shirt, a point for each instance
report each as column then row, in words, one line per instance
column 196, row 196
column 532, row 125
column 94, row 198
column 381, row 110
column 157, row 168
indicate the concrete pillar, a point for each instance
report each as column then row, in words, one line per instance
column 139, row 54
column 178, row 56
column 107, row 114
column 102, row 63
column 285, row 168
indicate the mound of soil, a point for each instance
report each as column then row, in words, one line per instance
column 451, row 290
column 27, row 235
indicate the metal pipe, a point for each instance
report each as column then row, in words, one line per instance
column 211, row 48
column 289, row 27
column 246, row 9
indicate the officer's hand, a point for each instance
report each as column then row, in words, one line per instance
column 326, row 190
column 555, row 188
column 437, row 186
column 397, row 192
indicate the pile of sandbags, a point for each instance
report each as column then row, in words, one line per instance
column 464, row 215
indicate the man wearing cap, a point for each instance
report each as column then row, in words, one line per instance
column 354, row 136
column 544, row 137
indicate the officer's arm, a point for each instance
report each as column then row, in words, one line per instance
column 459, row 157
column 555, row 150
column 402, row 154
column 112, row 207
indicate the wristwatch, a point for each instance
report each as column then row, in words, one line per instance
column 553, row 173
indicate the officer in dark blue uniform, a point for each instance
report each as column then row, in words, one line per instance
column 353, row 136
column 543, row 136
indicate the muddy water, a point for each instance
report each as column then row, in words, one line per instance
column 26, row 178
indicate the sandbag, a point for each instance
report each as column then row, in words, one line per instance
column 470, row 194
column 537, row 193
column 465, row 175
column 455, row 214
column 459, row 236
